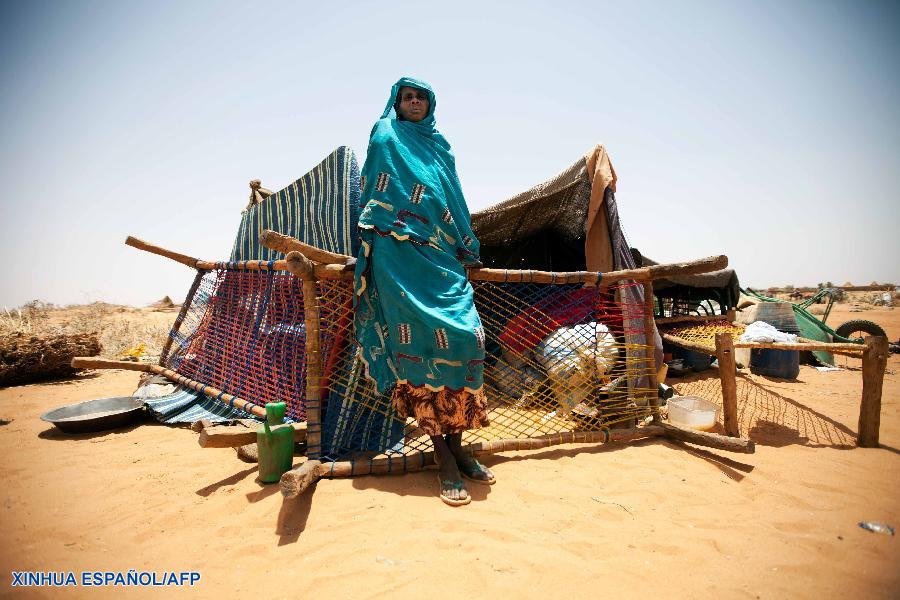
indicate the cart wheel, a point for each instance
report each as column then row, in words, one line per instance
column 853, row 330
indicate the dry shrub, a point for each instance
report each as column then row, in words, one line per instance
column 31, row 317
column 118, row 327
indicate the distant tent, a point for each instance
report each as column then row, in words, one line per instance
column 164, row 302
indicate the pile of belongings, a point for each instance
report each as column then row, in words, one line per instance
column 760, row 331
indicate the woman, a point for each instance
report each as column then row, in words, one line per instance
column 420, row 336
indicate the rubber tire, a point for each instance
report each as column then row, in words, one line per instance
column 859, row 325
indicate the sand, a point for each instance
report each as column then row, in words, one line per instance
column 573, row 521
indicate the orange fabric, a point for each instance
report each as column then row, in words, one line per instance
column 597, row 248
column 443, row 412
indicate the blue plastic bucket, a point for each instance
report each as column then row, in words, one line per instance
column 784, row 364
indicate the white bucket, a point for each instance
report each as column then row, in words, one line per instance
column 693, row 412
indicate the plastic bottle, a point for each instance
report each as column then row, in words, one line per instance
column 876, row 527
column 275, row 441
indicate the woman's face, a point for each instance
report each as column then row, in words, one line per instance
column 413, row 104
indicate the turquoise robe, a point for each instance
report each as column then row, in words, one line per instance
column 415, row 317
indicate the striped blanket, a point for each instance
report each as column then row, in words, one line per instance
column 321, row 208
column 187, row 406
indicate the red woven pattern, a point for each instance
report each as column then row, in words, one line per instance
column 244, row 334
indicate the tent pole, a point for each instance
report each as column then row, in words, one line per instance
column 649, row 328
column 304, row 268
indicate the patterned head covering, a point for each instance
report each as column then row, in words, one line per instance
column 410, row 189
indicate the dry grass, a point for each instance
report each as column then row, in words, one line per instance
column 119, row 328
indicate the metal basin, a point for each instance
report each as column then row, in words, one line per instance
column 95, row 415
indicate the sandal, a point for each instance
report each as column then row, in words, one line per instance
column 471, row 474
column 458, row 485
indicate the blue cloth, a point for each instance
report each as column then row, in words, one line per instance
column 415, row 315
column 188, row 406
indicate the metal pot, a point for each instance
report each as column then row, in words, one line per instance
column 95, row 415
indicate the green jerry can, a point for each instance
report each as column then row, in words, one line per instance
column 275, row 441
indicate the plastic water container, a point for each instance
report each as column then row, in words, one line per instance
column 275, row 444
column 783, row 364
column 693, row 412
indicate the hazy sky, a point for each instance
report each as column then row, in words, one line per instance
column 767, row 131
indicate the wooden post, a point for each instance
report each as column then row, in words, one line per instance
column 874, row 361
column 184, row 259
column 176, row 327
column 286, row 244
column 304, row 268
column 225, row 436
column 81, row 362
column 649, row 329
column 294, row 482
column 710, row 440
column 699, row 319
column 725, row 355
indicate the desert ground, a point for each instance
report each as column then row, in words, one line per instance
column 572, row 521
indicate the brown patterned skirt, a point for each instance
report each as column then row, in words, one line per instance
column 440, row 413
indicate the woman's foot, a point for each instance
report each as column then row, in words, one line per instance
column 473, row 470
column 453, row 491
column 466, row 464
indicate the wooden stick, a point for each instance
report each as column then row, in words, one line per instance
column 711, row 440
column 340, row 272
column 564, row 437
column 180, row 318
column 245, row 265
column 692, row 319
column 828, row 347
column 727, row 368
column 425, row 460
column 337, row 266
column 694, row 267
column 848, row 349
column 345, row 272
column 83, row 362
column 208, row 265
column 874, row 362
column 233, row 436
column 302, row 267
column 649, row 329
column 285, row 244
column 90, row 362
column 687, row 344
column 153, row 249
column 704, row 265
column 294, row 482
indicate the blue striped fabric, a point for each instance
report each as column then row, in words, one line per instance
column 358, row 418
column 321, row 209
column 188, row 406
